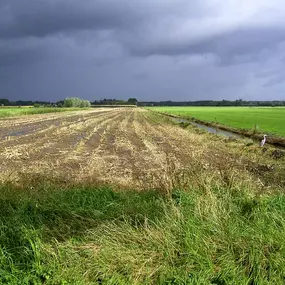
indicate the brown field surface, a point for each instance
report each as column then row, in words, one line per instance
column 125, row 147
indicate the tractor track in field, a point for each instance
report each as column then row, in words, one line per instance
column 125, row 147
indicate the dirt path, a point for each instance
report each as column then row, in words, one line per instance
column 121, row 146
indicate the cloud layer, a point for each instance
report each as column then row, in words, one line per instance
column 152, row 50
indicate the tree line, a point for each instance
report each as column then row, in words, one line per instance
column 74, row 102
column 68, row 102
column 216, row 103
column 77, row 102
column 130, row 101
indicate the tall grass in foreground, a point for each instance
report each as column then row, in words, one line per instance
column 11, row 112
column 93, row 235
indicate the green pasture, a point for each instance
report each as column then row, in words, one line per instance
column 268, row 120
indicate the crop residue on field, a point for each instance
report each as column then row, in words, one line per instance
column 127, row 147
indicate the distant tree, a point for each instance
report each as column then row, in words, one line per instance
column 133, row 101
column 60, row 103
column 238, row 102
column 37, row 105
column 4, row 102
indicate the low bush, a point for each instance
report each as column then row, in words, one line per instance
column 76, row 103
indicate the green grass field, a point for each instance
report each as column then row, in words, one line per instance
column 268, row 120
column 12, row 112
column 93, row 235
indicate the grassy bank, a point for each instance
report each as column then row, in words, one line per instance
column 11, row 112
column 268, row 120
column 93, row 235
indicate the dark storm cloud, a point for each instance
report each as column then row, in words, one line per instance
column 19, row 52
column 163, row 49
column 44, row 17
column 230, row 46
column 41, row 18
column 16, row 57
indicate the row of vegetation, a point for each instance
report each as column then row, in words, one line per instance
column 110, row 102
column 68, row 102
column 237, row 103
column 134, row 101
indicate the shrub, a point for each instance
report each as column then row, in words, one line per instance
column 85, row 104
column 76, row 102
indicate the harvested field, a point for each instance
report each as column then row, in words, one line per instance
column 126, row 196
column 125, row 147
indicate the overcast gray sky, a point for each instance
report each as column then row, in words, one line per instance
column 148, row 49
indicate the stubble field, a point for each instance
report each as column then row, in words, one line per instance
column 116, row 146
column 125, row 196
